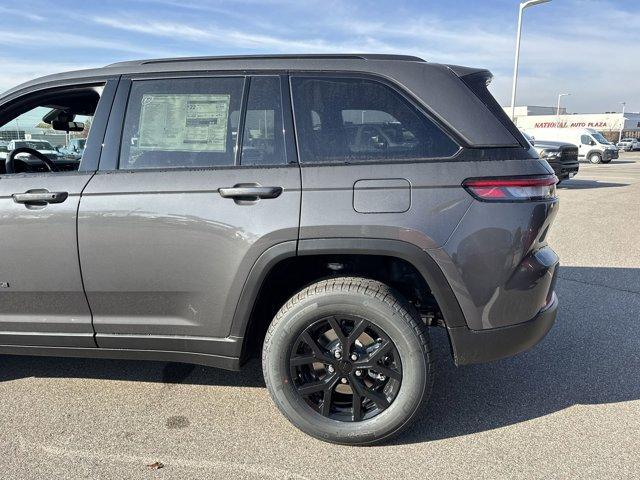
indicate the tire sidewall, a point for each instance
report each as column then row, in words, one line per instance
column 412, row 356
column 595, row 155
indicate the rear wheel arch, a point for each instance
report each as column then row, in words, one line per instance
column 252, row 317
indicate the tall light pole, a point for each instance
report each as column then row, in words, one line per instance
column 624, row 104
column 523, row 6
column 560, row 95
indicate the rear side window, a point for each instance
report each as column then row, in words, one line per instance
column 181, row 123
column 263, row 138
column 354, row 119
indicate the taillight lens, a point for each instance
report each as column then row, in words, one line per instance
column 512, row 189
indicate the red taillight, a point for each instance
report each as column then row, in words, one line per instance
column 512, row 189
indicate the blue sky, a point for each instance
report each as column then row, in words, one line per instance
column 586, row 47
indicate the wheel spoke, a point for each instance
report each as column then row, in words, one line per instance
column 374, row 357
column 356, row 332
column 376, row 397
column 335, row 325
column 302, row 360
column 356, row 414
column 388, row 372
column 326, row 383
column 318, row 351
column 356, row 402
column 328, row 395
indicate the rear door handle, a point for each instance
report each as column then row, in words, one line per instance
column 250, row 192
column 39, row 197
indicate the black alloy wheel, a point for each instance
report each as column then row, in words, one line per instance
column 346, row 368
column 348, row 360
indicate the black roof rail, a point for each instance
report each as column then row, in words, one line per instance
column 312, row 56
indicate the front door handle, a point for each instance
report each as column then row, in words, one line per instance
column 249, row 192
column 40, row 197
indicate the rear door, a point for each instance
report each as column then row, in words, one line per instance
column 199, row 184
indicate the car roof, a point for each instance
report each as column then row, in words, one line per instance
column 437, row 86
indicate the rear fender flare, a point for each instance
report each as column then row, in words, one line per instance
column 416, row 256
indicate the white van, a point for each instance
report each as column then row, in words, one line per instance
column 591, row 144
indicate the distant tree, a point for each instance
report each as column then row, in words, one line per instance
column 43, row 126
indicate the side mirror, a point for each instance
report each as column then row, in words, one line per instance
column 592, row 142
column 67, row 126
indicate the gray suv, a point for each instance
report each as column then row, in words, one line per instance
column 325, row 210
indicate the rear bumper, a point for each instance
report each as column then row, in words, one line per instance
column 565, row 170
column 479, row 346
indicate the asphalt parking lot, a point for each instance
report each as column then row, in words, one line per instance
column 570, row 408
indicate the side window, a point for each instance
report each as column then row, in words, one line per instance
column 55, row 126
column 263, row 139
column 351, row 119
column 173, row 123
column 585, row 139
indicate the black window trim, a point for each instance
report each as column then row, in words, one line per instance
column 411, row 99
column 110, row 157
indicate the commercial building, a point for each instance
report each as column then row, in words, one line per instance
column 609, row 124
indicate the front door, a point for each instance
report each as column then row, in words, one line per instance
column 42, row 301
column 172, row 223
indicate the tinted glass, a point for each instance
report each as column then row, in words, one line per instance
column 181, row 123
column 263, row 139
column 349, row 119
column 585, row 139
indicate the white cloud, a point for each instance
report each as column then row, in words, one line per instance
column 71, row 40
column 20, row 13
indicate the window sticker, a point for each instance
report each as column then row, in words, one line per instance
column 184, row 122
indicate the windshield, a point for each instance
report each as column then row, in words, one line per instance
column 36, row 145
column 600, row 139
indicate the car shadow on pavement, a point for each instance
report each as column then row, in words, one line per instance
column 611, row 164
column 15, row 367
column 576, row 184
column 591, row 356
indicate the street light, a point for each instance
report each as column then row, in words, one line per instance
column 523, row 5
column 624, row 104
column 560, row 95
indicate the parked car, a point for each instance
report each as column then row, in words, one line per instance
column 563, row 157
column 173, row 242
column 41, row 146
column 592, row 145
column 629, row 144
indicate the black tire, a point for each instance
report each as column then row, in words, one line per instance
column 594, row 158
column 386, row 312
